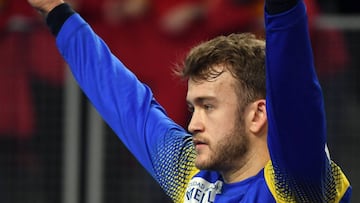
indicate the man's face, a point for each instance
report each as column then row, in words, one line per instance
column 216, row 124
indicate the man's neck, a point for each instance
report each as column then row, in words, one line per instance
column 250, row 166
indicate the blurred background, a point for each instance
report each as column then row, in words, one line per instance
column 55, row 148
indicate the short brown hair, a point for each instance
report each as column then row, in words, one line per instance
column 242, row 54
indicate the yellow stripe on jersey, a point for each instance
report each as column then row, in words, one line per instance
column 181, row 196
column 336, row 184
column 175, row 165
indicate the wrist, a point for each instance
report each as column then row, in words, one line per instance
column 57, row 17
column 47, row 8
column 279, row 6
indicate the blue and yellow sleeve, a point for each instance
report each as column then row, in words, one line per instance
column 174, row 165
column 128, row 106
column 300, row 170
column 285, row 189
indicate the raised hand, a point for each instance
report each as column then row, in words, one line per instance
column 45, row 6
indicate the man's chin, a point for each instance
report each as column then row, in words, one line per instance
column 202, row 164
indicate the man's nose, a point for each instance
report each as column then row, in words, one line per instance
column 196, row 123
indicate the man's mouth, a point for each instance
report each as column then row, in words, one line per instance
column 199, row 142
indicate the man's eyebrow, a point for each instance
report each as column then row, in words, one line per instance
column 199, row 100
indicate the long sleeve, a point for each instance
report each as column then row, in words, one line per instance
column 126, row 104
column 297, row 128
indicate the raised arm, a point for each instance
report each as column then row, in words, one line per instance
column 294, row 98
column 125, row 103
column 297, row 128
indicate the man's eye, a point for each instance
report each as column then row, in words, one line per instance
column 191, row 109
column 208, row 107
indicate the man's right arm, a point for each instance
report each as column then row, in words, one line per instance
column 126, row 104
column 123, row 101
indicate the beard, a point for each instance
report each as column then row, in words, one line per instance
column 229, row 152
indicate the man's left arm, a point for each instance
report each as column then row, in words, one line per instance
column 295, row 106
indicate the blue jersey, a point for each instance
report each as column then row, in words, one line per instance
column 299, row 171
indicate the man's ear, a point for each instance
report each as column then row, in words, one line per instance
column 258, row 117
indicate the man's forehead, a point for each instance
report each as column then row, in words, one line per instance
column 209, row 73
column 209, row 88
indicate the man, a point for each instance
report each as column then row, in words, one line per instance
column 246, row 145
